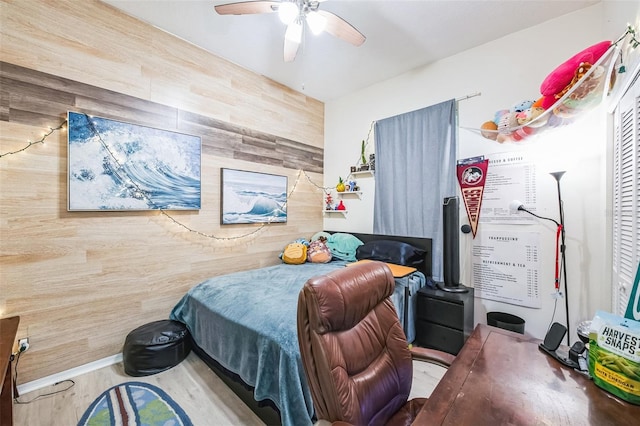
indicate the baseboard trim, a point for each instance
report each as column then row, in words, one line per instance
column 68, row 374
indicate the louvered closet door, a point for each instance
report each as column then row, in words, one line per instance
column 626, row 197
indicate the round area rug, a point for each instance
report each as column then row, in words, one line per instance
column 134, row 404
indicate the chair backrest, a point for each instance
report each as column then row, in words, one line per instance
column 354, row 351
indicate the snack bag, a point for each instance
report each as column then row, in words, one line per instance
column 614, row 355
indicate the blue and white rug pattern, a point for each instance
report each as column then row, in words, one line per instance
column 134, row 404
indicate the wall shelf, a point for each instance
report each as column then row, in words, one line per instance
column 363, row 173
column 342, row 212
column 357, row 193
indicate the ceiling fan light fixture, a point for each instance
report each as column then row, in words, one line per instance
column 294, row 32
column 288, row 12
column 316, row 22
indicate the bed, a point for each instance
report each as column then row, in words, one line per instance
column 243, row 325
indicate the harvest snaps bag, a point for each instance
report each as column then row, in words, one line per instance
column 614, row 355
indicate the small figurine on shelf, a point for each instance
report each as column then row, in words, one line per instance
column 328, row 202
column 352, row 186
column 341, row 206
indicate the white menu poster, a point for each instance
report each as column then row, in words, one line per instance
column 505, row 267
column 510, row 176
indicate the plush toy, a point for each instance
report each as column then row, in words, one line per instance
column 557, row 81
column 521, row 106
column 538, row 103
column 522, row 133
column 530, row 116
column 489, row 130
column 564, row 111
column 498, row 115
column 590, row 83
column 507, row 123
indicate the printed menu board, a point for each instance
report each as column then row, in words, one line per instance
column 505, row 267
column 510, row 176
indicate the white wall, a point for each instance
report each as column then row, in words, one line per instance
column 506, row 71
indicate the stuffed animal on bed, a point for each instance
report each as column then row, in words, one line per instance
column 295, row 254
column 318, row 251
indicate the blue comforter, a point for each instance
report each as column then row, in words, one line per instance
column 247, row 322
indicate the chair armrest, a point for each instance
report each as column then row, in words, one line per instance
column 432, row 355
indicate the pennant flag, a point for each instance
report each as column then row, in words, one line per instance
column 633, row 308
column 472, row 174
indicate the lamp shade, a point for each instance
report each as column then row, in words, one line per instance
column 316, row 22
column 288, row 12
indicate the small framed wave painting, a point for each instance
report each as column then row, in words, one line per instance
column 252, row 197
column 126, row 167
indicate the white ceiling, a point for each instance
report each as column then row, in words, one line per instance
column 401, row 35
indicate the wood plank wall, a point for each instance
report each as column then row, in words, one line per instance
column 82, row 280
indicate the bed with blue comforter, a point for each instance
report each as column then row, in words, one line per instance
column 246, row 321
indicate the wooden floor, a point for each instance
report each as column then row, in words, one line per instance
column 200, row 393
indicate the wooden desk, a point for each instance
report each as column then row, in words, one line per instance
column 8, row 330
column 502, row 378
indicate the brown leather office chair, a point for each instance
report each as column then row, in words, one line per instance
column 354, row 351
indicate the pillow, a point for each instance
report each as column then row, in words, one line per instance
column 391, row 252
column 319, row 235
column 343, row 246
column 318, row 252
column 563, row 74
column 295, row 254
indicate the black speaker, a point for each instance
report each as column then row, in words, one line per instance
column 451, row 246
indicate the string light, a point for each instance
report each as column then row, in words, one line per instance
column 140, row 192
column 31, row 143
column 633, row 42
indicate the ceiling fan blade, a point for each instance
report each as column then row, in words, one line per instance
column 338, row 27
column 290, row 50
column 247, row 7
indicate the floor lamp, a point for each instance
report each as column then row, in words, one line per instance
column 557, row 176
column 562, row 271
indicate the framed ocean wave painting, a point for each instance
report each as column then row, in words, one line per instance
column 125, row 167
column 252, row 197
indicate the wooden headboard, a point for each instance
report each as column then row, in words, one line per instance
column 421, row 243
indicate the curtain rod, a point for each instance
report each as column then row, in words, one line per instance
column 464, row 98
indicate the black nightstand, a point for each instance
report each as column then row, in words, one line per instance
column 444, row 320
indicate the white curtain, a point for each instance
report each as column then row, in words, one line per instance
column 415, row 171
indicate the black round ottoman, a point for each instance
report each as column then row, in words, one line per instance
column 155, row 347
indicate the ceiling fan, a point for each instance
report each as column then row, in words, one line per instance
column 297, row 14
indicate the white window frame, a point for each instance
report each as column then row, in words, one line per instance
column 626, row 197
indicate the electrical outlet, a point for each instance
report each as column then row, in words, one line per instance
column 23, row 344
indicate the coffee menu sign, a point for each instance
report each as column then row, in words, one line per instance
column 505, row 267
column 511, row 176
